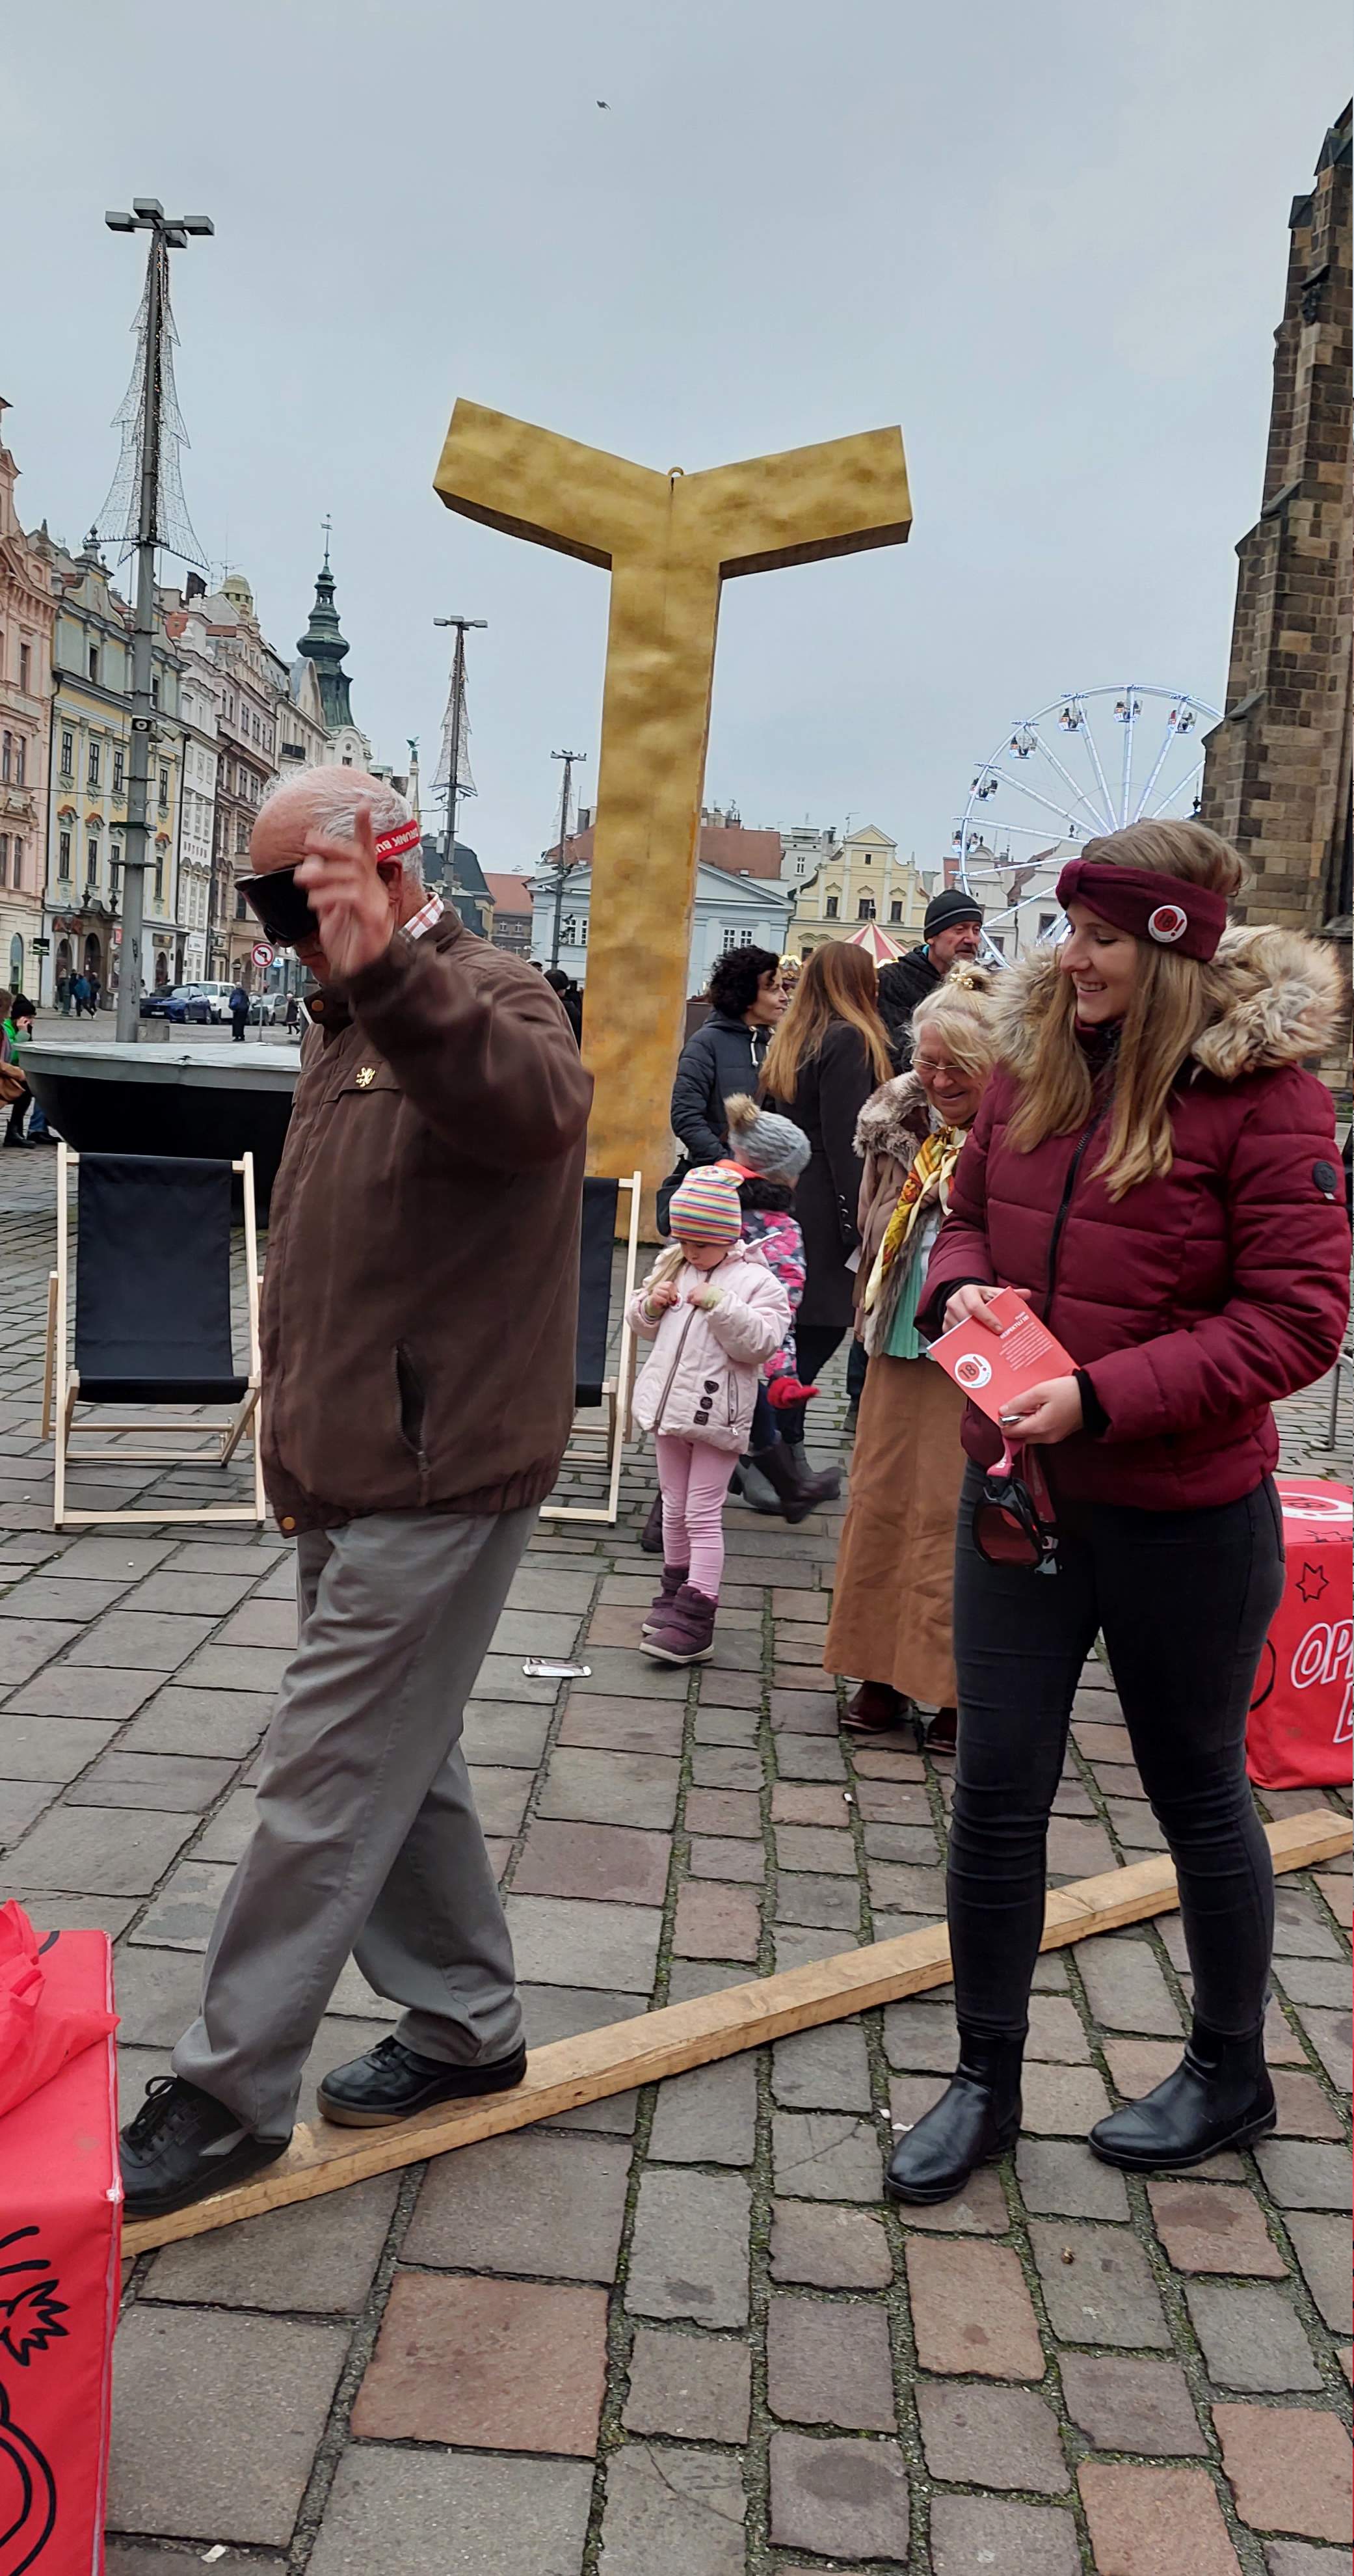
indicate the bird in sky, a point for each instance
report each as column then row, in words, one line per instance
column 604, row 102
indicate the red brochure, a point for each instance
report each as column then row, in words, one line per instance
column 994, row 1368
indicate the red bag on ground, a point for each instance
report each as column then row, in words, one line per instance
column 60, row 2213
column 1299, row 1733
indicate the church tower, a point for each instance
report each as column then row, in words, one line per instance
column 325, row 646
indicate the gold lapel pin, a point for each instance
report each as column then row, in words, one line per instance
column 366, row 1077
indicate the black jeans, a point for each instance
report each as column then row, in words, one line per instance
column 814, row 1346
column 1184, row 1599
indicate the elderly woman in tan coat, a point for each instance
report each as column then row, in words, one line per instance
column 890, row 1624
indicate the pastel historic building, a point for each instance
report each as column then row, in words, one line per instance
column 27, row 611
column 200, row 692
column 254, row 679
column 87, row 799
column 857, row 879
column 730, row 911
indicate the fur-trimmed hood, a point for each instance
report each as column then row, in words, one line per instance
column 1283, row 1002
column 894, row 1119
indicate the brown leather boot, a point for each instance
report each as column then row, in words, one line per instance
column 875, row 1709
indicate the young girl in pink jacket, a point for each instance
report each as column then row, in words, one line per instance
column 715, row 1313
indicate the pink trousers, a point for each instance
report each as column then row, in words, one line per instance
column 693, row 1479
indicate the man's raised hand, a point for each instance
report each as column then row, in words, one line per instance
column 348, row 895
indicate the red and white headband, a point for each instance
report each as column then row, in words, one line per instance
column 1163, row 910
column 405, row 836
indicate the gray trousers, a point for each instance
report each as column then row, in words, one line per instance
column 366, row 1837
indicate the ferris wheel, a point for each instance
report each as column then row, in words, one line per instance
column 1088, row 762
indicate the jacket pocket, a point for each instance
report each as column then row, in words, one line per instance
column 413, row 1406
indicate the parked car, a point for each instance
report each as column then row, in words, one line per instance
column 178, row 1002
column 217, row 998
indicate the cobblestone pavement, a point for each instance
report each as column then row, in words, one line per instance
column 677, row 2334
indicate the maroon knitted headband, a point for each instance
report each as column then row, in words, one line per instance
column 1172, row 914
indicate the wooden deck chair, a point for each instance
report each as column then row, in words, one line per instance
column 601, row 1445
column 152, row 1320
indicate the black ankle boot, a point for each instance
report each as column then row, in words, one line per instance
column 976, row 2121
column 1219, row 2096
column 797, row 1492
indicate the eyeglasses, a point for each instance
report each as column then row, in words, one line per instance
column 1013, row 1521
column 281, row 906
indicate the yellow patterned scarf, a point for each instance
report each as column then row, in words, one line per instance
column 930, row 1173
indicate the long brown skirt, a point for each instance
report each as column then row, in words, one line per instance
column 891, row 1615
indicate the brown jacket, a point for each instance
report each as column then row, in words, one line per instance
column 420, row 1298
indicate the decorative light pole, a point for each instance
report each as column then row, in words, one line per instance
column 147, row 216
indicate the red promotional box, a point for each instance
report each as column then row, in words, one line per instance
column 1298, row 1735
column 60, row 2215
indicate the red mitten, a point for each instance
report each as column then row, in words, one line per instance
column 784, row 1391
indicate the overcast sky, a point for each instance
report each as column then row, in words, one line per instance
column 1048, row 241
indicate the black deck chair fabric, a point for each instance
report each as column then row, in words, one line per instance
column 152, row 1282
column 598, row 1243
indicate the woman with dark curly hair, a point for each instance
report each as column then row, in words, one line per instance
column 724, row 1057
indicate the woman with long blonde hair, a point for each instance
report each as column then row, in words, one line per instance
column 1155, row 1170
column 826, row 1057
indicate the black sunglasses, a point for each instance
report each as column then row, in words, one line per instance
column 281, row 906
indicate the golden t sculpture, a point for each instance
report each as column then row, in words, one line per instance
column 669, row 541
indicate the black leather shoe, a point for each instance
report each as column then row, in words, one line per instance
column 1218, row 2096
column 976, row 2120
column 392, row 2083
column 183, row 2145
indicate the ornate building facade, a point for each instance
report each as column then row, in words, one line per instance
column 91, row 732
column 1277, row 772
column 27, row 611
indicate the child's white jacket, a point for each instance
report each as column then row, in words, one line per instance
column 700, row 1379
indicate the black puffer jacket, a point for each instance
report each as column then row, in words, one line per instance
column 723, row 1057
column 901, row 986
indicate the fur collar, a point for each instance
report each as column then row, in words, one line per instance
column 894, row 1119
column 1282, row 1002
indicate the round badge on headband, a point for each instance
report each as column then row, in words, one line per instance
column 1192, row 921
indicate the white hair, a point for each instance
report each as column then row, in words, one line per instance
column 332, row 796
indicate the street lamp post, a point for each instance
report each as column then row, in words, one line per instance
column 569, row 759
column 456, row 711
column 147, row 216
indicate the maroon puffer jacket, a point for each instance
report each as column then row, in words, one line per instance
column 1195, row 1300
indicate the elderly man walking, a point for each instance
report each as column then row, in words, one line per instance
column 419, row 1315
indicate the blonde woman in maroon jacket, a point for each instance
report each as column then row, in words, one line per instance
column 1155, row 1170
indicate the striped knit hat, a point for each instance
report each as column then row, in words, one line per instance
column 705, row 1209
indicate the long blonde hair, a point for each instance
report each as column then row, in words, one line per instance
column 838, row 982
column 1173, row 999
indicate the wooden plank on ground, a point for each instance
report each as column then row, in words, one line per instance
column 668, row 2042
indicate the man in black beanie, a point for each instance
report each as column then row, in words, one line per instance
column 951, row 930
